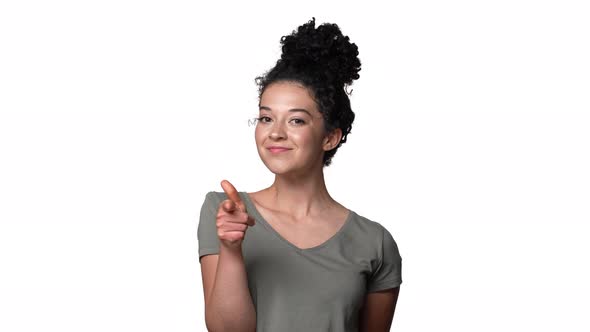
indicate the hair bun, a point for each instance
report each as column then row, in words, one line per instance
column 324, row 49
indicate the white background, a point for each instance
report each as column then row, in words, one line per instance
column 471, row 145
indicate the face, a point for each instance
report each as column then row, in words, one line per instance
column 289, row 117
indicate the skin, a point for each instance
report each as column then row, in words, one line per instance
column 299, row 191
column 298, row 194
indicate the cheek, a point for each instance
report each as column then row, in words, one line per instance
column 307, row 140
column 258, row 135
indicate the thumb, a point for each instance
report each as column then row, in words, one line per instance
column 228, row 205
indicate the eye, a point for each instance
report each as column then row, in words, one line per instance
column 266, row 119
column 261, row 119
column 300, row 121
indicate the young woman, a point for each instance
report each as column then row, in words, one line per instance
column 289, row 257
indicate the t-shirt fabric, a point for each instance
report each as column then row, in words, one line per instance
column 313, row 289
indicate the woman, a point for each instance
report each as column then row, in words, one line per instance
column 289, row 257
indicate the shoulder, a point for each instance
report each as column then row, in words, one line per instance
column 215, row 194
column 370, row 226
column 211, row 197
column 219, row 196
column 374, row 231
column 212, row 200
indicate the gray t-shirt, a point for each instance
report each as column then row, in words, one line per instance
column 313, row 289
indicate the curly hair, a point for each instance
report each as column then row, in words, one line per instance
column 323, row 60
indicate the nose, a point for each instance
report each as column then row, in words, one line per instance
column 275, row 135
column 277, row 131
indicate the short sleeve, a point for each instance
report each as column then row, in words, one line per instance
column 207, row 229
column 388, row 271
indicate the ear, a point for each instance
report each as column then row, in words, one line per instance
column 332, row 139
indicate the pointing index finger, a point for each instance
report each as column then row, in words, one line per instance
column 232, row 194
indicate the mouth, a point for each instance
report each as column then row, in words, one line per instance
column 278, row 150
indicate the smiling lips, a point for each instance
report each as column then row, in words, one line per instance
column 277, row 149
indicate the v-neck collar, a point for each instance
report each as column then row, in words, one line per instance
column 251, row 208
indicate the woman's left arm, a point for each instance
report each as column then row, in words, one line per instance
column 377, row 312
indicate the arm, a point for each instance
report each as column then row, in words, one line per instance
column 377, row 312
column 228, row 303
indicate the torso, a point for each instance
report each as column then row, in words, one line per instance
column 303, row 233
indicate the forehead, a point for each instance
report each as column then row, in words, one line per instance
column 286, row 95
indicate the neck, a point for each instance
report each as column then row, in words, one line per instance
column 300, row 195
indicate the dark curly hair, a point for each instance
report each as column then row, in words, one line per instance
column 324, row 61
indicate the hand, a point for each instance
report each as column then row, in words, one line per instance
column 232, row 218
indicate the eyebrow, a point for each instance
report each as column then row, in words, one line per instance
column 291, row 110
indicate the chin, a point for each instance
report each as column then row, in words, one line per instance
column 278, row 168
